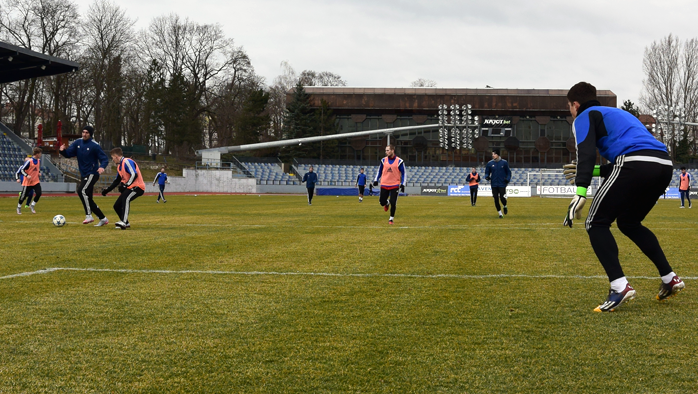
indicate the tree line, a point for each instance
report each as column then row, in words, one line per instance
column 176, row 86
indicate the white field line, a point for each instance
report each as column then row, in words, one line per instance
column 329, row 274
column 521, row 226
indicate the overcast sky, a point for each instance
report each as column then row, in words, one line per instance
column 542, row 44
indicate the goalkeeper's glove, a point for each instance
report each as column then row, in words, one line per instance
column 402, row 188
column 105, row 191
column 574, row 211
column 375, row 183
column 570, row 171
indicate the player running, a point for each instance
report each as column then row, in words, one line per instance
column 130, row 183
column 498, row 173
column 161, row 179
column 361, row 183
column 91, row 161
column 639, row 171
column 20, row 178
column 311, row 179
column 31, row 171
column 391, row 174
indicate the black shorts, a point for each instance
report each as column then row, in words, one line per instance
column 361, row 189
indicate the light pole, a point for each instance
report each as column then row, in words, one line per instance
column 463, row 127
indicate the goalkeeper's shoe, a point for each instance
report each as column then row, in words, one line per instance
column 668, row 290
column 615, row 299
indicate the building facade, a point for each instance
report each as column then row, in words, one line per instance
column 531, row 127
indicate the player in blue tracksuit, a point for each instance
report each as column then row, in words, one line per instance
column 161, row 179
column 639, row 171
column 20, row 178
column 361, row 183
column 311, row 179
column 91, row 161
column 498, row 173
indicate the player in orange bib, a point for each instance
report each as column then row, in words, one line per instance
column 130, row 183
column 392, row 177
column 31, row 170
column 685, row 179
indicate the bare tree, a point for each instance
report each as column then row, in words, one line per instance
column 46, row 26
column 323, row 78
column 109, row 36
column 423, row 83
column 671, row 80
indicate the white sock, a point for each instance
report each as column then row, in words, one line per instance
column 668, row 277
column 19, row 205
column 391, row 218
column 500, row 213
column 33, row 203
column 619, row 284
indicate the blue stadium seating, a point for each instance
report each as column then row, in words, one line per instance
column 345, row 175
column 11, row 157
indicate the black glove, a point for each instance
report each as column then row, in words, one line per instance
column 488, row 179
column 105, row 192
column 375, row 183
column 402, row 188
column 122, row 187
column 506, row 182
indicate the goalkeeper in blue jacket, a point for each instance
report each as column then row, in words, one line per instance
column 638, row 172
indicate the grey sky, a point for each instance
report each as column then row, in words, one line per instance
column 502, row 43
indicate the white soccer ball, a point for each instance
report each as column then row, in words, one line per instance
column 59, row 221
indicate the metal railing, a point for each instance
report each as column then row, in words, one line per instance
column 242, row 168
column 200, row 165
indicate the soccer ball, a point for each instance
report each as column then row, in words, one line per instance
column 59, row 221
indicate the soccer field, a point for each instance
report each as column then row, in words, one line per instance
column 268, row 294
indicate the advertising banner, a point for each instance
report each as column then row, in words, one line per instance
column 434, row 191
column 557, row 190
column 672, row 192
column 486, row 191
column 569, row 190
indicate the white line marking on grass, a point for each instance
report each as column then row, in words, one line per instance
column 331, row 274
column 39, row 272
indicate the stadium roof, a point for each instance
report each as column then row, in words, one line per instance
column 18, row 63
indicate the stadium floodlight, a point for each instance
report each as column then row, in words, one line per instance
column 457, row 129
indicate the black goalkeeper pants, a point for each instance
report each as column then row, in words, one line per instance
column 85, row 191
column 628, row 194
column 122, row 206
column 389, row 196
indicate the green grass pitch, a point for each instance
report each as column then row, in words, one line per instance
column 267, row 294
